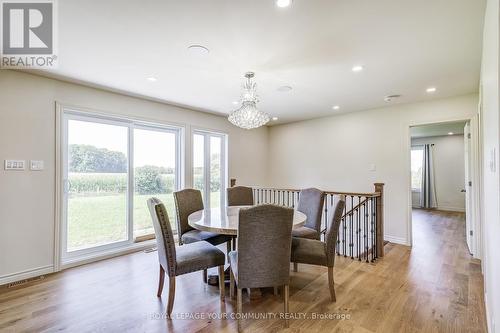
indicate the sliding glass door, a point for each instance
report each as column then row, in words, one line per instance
column 97, row 163
column 209, row 167
column 110, row 168
column 155, row 174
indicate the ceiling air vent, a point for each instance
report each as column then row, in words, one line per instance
column 390, row 98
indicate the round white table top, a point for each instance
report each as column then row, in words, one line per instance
column 225, row 220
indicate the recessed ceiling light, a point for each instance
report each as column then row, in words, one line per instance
column 450, row 133
column 198, row 50
column 335, row 107
column 283, row 3
column 357, row 68
column 275, row 118
column 284, row 88
column 152, row 79
column 235, row 102
column 431, row 90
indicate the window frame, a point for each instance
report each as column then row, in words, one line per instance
column 73, row 113
column 207, row 134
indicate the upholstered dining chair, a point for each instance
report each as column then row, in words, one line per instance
column 264, row 243
column 181, row 260
column 316, row 252
column 311, row 201
column 240, row 196
column 188, row 201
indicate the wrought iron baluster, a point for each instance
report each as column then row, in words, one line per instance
column 375, row 246
column 365, row 231
column 344, row 222
column 358, row 228
column 325, row 203
column 372, row 228
column 351, row 229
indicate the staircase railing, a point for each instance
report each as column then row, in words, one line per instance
column 362, row 226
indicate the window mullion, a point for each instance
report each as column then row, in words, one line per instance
column 207, row 169
column 130, row 192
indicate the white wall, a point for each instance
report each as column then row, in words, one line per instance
column 27, row 131
column 335, row 153
column 491, row 135
column 449, row 173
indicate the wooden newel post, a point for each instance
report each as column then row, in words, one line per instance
column 379, row 187
column 232, row 182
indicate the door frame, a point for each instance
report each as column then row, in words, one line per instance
column 475, row 175
column 59, row 206
column 72, row 115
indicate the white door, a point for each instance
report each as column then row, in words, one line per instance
column 469, row 225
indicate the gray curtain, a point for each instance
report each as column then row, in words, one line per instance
column 428, row 190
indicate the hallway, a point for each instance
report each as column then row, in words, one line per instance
column 453, row 278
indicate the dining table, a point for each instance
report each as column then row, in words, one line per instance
column 224, row 220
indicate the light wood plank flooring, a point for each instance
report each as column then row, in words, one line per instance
column 434, row 287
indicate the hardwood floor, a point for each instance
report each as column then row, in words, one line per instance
column 434, row 287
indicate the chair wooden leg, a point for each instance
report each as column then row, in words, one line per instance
column 295, row 267
column 231, row 283
column 222, row 284
column 205, row 276
column 239, row 310
column 228, row 249
column 331, row 284
column 161, row 280
column 275, row 291
column 171, row 295
column 286, row 292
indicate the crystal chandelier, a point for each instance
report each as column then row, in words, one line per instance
column 248, row 116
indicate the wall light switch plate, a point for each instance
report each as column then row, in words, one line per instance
column 36, row 165
column 372, row 167
column 17, row 165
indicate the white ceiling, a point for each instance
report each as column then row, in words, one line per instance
column 405, row 47
column 439, row 129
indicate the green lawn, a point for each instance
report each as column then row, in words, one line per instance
column 98, row 220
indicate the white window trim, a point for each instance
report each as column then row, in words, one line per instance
column 206, row 168
column 63, row 113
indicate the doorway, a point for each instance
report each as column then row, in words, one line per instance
column 110, row 167
column 442, row 172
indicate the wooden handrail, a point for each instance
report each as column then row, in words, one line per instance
column 355, row 208
column 356, row 194
column 349, row 212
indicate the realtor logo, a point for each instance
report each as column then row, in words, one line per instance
column 27, row 34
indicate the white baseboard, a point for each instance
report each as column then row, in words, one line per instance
column 451, row 209
column 445, row 208
column 397, row 240
column 488, row 316
column 27, row 274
